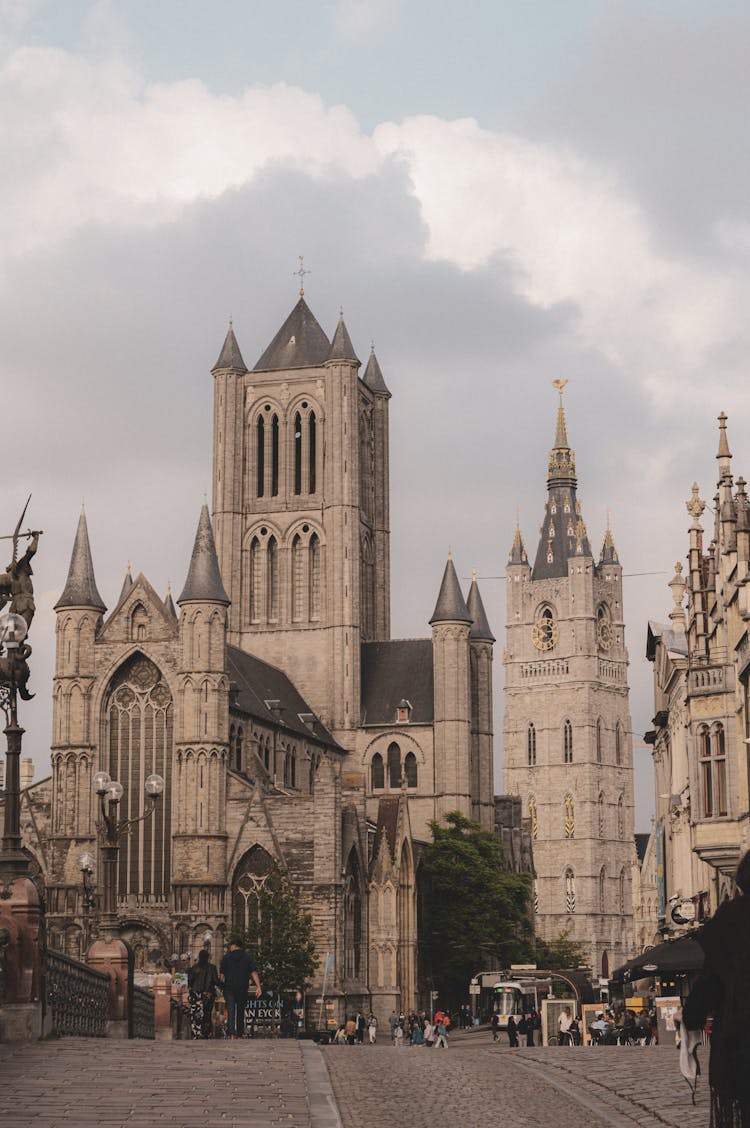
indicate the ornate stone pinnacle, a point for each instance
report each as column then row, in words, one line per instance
column 695, row 506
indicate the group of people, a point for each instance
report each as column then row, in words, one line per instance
column 623, row 1028
column 518, row 1027
column 232, row 979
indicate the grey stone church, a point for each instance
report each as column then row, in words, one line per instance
column 287, row 723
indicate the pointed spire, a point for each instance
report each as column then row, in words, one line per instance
column 562, row 466
column 480, row 628
column 203, row 583
column 517, row 554
column 230, row 355
column 169, row 606
column 561, row 431
column 724, row 451
column 677, row 587
column 373, row 376
column 609, row 552
column 127, row 584
column 80, row 586
column 299, row 343
column 451, row 606
column 341, row 345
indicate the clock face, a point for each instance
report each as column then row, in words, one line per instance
column 544, row 633
column 605, row 635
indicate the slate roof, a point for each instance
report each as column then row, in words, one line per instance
column 641, row 843
column 676, row 641
column 299, row 343
column 373, row 376
column 80, row 587
column 341, row 345
column 395, row 670
column 451, row 605
column 230, row 355
column 480, row 628
column 387, row 826
column 258, row 682
column 203, row 583
column 563, row 532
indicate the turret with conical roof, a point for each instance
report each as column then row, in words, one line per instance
column 80, row 587
column 481, row 640
column 517, row 554
column 609, row 552
column 373, row 376
column 203, row 583
column 451, row 622
column 341, row 345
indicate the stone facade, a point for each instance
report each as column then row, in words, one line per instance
column 701, row 662
column 287, row 724
column 567, row 730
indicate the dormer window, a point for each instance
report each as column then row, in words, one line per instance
column 403, row 712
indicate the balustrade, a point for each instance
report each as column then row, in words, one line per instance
column 141, row 1023
column 77, row 997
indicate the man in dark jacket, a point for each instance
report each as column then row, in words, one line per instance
column 237, row 969
column 723, row 988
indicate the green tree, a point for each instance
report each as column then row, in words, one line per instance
column 280, row 935
column 478, row 914
column 560, row 953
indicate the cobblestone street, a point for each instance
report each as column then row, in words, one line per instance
column 78, row 1082
column 475, row 1084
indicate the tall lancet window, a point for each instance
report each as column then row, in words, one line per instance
column 569, row 817
column 599, row 741
column 620, row 818
column 275, row 456
column 602, row 889
column 298, row 453
column 273, row 579
column 600, row 814
column 298, row 566
column 314, row 562
column 138, row 718
column 260, row 456
column 570, row 891
column 567, row 743
column 312, row 452
column 531, row 746
column 256, row 580
column 618, row 744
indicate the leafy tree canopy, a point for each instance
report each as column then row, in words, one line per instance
column 478, row 914
column 280, row 935
column 561, row 953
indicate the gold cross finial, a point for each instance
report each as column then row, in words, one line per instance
column 300, row 273
column 559, row 384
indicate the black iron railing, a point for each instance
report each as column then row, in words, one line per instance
column 141, row 1024
column 77, row 997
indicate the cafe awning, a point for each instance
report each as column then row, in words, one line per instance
column 670, row 958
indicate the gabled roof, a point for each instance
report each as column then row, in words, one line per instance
column 259, row 682
column 480, row 628
column 80, row 587
column 451, row 605
column 341, row 345
column 394, row 670
column 203, row 583
column 140, row 591
column 299, row 343
column 373, row 376
column 230, row 355
column 387, row 825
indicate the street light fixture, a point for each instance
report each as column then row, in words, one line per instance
column 112, row 829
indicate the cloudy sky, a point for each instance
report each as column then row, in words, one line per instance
column 499, row 193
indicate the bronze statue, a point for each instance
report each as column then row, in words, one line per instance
column 17, row 588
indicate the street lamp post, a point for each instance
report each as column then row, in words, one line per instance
column 112, row 829
column 86, row 864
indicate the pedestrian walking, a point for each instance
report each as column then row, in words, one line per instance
column 398, row 1036
column 203, row 985
column 393, row 1023
column 723, row 988
column 441, row 1036
column 512, row 1032
column 236, row 971
column 495, row 1024
column 372, row 1029
column 360, row 1021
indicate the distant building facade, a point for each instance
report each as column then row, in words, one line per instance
column 567, row 730
column 701, row 733
column 289, row 727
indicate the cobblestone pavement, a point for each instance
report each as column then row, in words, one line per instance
column 475, row 1084
column 77, row 1082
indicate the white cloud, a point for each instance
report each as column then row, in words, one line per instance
column 355, row 20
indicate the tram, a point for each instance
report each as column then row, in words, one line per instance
column 509, row 997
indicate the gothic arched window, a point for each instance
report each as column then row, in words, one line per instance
column 567, row 743
column 311, row 452
column 298, row 453
column 599, row 741
column 377, row 773
column 238, row 750
column 600, row 814
column 231, row 744
column 620, row 818
column 394, row 765
column 602, row 889
column 531, row 745
column 570, row 891
column 314, row 560
column 256, row 580
column 248, row 882
column 274, row 456
column 618, row 744
column 569, row 817
column 622, row 890
column 533, row 816
column 297, row 578
column 352, row 923
column 260, row 456
column 273, row 579
column 138, row 715
column 410, row 769
column 713, row 764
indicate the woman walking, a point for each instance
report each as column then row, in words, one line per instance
column 203, row 983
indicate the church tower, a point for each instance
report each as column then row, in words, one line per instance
column 567, row 729
column 300, row 508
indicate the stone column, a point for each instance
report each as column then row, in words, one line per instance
column 20, row 917
column 112, row 956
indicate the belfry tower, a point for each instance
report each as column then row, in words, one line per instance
column 568, row 749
